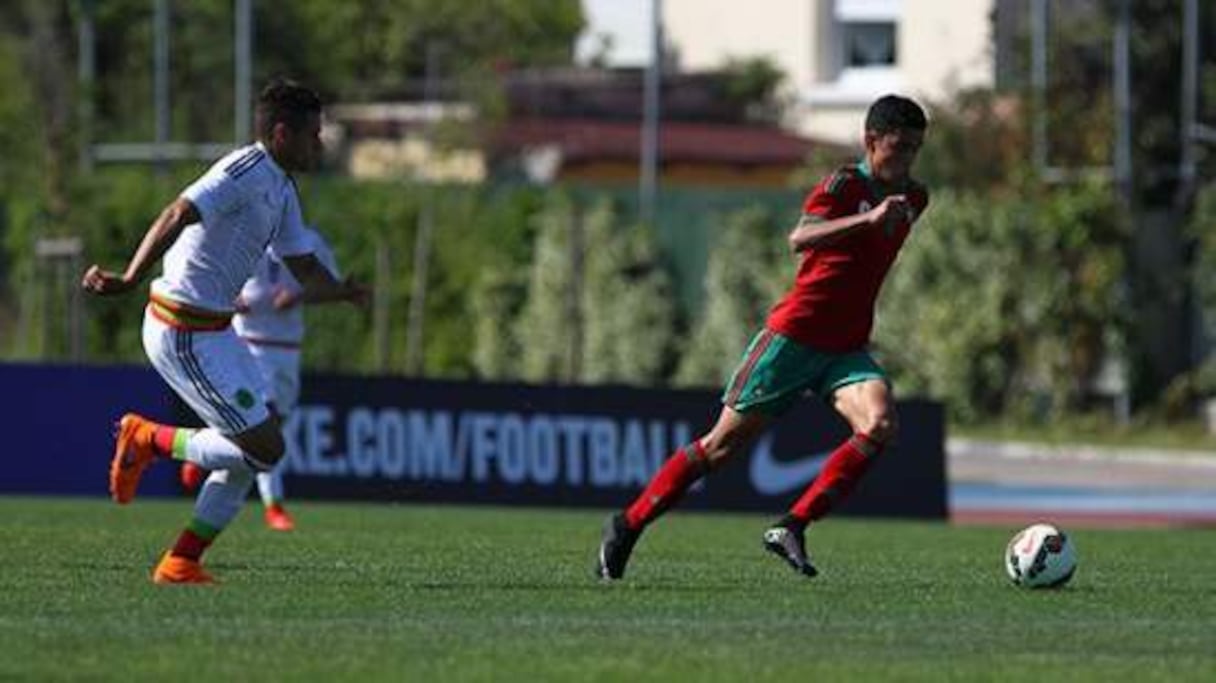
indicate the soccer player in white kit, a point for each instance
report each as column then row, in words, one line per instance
column 270, row 320
column 212, row 237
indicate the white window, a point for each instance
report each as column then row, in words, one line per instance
column 868, row 43
column 862, row 53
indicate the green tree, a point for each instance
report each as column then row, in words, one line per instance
column 497, row 301
column 756, row 82
column 628, row 306
column 548, row 321
column 1007, row 305
column 748, row 268
column 37, row 172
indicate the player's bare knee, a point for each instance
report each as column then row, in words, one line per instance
column 719, row 448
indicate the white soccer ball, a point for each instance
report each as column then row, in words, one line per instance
column 1040, row 556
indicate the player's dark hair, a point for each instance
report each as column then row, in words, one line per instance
column 285, row 101
column 892, row 112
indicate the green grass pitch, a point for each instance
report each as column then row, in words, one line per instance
column 382, row 592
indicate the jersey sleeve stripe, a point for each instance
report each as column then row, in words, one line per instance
column 836, row 183
column 241, row 166
column 245, row 157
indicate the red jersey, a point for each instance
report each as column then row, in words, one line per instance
column 831, row 304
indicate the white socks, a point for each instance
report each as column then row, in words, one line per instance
column 222, row 496
column 270, row 485
column 213, row 451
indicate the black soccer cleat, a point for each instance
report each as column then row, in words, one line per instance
column 789, row 544
column 615, row 548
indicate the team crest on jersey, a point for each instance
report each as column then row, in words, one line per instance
column 244, row 398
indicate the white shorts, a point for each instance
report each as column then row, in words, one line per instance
column 280, row 368
column 212, row 371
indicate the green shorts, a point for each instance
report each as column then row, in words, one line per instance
column 776, row 371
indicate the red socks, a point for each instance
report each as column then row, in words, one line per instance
column 844, row 468
column 162, row 440
column 682, row 469
column 194, row 539
column 840, row 474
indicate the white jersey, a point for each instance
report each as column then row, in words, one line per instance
column 265, row 324
column 248, row 206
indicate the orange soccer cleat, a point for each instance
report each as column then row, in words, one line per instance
column 174, row 569
column 192, row 476
column 133, row 452
column 278, row 519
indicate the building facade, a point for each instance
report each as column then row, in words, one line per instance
column 839, row 55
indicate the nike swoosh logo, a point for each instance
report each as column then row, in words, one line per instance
column 771, row 477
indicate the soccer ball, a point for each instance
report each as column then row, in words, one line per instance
column 1040, row 556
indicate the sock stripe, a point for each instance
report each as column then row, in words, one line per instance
column 181, row 437
column 202, row 529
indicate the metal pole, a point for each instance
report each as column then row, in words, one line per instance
column 574, row 296
column 414, row 358
column 75, row 310
column 86, row 74
column 380, row 308
column 243, row 58
column 1188, row 111
column 1038, row 80
column 651, row 104
column 1123, row 103
column 160, row 71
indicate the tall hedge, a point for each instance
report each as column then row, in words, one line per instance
column 1008, row 304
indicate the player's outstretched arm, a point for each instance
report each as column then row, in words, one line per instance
column 163, row 232
column 319, row 285
column 810, row 233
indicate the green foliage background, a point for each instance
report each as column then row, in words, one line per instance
column 1012, row 297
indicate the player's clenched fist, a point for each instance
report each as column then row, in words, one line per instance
column 104, row 282
column 896, row 206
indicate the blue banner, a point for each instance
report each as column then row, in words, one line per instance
column 405, row 440
column 379, row 438
column 59, row 426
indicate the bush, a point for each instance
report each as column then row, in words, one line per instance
column 1008, row 305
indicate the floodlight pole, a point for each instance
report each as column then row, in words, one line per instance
column 1189, row 106
column 1123, row 104
column 86, row 74
column 651, row 104
column 243, row 78
column 415, row 359
column 160, row 150
column 160, row 74
column 1038, row 80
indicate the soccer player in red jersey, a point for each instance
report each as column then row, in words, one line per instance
column 852, row 226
